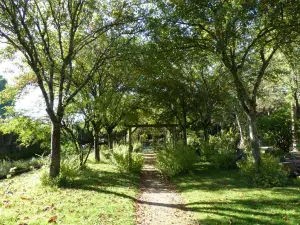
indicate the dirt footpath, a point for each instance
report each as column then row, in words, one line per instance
column 158, row 202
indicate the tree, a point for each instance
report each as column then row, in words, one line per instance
column 51, row 34
column 3, row 101
column 244, row 35
column 105, row 101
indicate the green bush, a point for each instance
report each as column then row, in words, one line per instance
column 137, row 147
column 270, row 174
column 105, row 153
column 173, row 161
column 69, row 171
column 276, row 129
column 120, row 159
column 221, row 150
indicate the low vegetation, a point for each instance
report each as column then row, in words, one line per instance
column 271, row 172
column 120, row 159
column 226, row 197
column 173, row 161
column 9, row 168
column 221, row 150
column 99, row 194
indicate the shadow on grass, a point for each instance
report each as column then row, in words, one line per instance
column 279, row 205
column 206, row 177
column 246, row 212
column 89, row 177
column 257, row 210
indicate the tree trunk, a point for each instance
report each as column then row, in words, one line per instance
column 130, row 150
column 205, row 131
column 55, row 150
column 294, row 126
column 110, row 141
column 254, row 139
column 96, row 146
column 294, row 110
column 184, row 128
column 242, row 140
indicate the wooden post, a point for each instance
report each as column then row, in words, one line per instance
column 130, row 149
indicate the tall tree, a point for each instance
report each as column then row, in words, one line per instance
column 51, row 34
column 245, row 35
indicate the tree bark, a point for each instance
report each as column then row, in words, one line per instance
column 253, row 133
column 184, row 127
column 242, row 140
column 110, row 141
column 96, row 146
column 55, row 150
column 205, row 131
column 294, row 126
column 130, row 150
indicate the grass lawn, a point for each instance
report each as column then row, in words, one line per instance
column 100, row 195
column 224, row 197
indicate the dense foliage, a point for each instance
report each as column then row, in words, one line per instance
column 271, row 172
column 276, row 129
column 120, row 157
column 172, row 161
column 221, row 150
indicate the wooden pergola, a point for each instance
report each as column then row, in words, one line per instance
column 136, row 126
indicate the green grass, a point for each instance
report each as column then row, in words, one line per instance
column 224, row 197
column 99, row 195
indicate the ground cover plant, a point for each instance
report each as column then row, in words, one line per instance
column 226, row 197
column 98, row 195
column 9, row 168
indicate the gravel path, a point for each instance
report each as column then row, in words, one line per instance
column 158, row 202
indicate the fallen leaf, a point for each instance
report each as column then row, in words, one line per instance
column 25, row 198
column 7, row 205
column 50, row 206
column 52, row 219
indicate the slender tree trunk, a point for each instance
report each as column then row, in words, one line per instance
column 130, row 150
column 294, row 126
column 184, row 127
column 96, row 145
column 242, row 140
column 55, row 150
column 110, row 141
column 253, row 133
column 205, row 131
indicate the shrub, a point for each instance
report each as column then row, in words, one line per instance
column 276, row 129
column 105, row 153
column 120, row 159
column 173, row 161
column 137, row 147
column 9, row 167
column 221, row 150
column 69, row 170
column 271, row 172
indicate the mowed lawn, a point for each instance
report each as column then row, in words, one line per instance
column 224, row 197
column 99, row 195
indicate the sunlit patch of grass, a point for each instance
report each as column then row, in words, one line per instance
column 99, row 195
column 225, row 197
